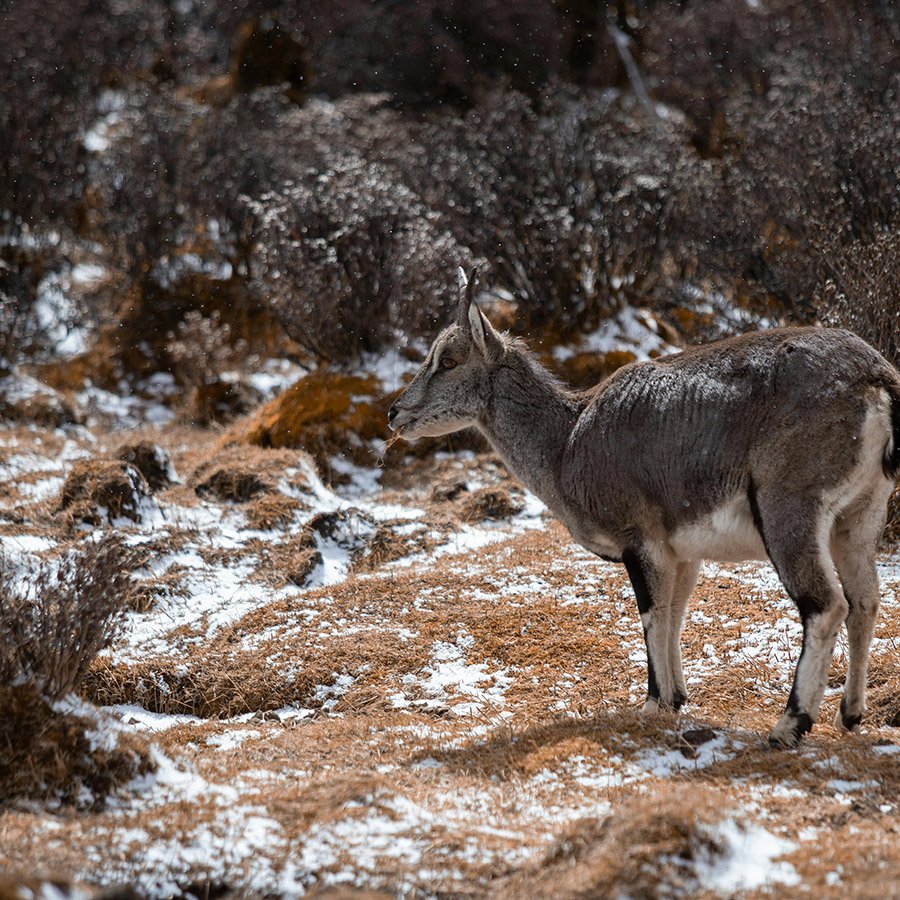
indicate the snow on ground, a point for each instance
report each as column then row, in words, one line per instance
column 629, row 329
column 437, row 746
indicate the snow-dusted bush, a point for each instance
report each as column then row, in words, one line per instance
column 56, row 617
column 435, row 52
column 15, row 326
column 565, row 197
column 795, row 108
column 351, row 256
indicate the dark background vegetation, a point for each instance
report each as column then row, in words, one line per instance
column 325, row 166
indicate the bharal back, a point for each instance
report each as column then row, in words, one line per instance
column 681, row 436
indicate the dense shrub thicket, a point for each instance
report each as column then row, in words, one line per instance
column 337, row 161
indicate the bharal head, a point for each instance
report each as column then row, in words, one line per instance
column 451, row 390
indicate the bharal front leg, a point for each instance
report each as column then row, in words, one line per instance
column 653, row 574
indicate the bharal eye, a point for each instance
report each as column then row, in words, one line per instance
column 448, row 362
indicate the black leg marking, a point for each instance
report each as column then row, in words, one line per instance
column 808, row 606
column 802, row 725
column 638, row 579
column 652, row 686
column 793, row 705
column 678, row 700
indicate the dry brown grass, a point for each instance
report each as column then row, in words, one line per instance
column 386, row 546
column 324, row 413
column 220, row 402
column 232, row 485
column 892, row 528
column 98, row 491
column 50, row 756
column 271, row 510
column 505, row 811
column 487, row 503
column 287, row 562
column 225, row 680
column 646, row 848
column 884, row 691
column 238, row 473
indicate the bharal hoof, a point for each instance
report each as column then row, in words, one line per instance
column 654, row 706
column 845, row 722
column 787, row 733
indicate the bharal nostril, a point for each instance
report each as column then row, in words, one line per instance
column 392, row 412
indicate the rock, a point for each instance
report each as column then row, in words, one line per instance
column 100, row 491
column 152, row 462
column 223, row 401
column 233, row 485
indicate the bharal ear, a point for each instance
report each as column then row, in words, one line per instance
column 479, row 328
column 472, row 320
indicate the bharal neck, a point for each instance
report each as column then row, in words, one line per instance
column 528, row 422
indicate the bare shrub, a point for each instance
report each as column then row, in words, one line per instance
column 56, row 617
column 201, row 348
column 15, row 323
column 860, row 290
column 565, row 196
column 351, row 257
column 50, row 74
column 433, row 52
column 806, row 155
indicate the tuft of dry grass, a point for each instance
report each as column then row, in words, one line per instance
column 228, row 681
column 51, row 756
column 488, row 503
column 239, row 473
column 386, row 546
column 221, row 402
column 884, row 692
column 324, row 413
column 288, row 562
column 648, row 847
column 98, row 491
column 232, row 485
column 271, row 510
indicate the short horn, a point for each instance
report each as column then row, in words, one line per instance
column 471, row 283
column 466, row 285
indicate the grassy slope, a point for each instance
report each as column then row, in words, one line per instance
column 458, row 721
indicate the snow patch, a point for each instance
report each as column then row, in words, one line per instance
column 747, row 860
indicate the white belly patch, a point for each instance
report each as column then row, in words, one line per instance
column 727, row 534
